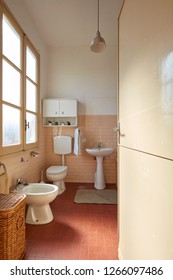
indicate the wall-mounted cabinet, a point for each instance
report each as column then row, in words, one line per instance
column 57, row 112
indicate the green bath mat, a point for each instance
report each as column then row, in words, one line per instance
column 106, row 196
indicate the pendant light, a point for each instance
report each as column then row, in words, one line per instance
column 98, row 44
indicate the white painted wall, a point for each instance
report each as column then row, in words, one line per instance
column 89, row 77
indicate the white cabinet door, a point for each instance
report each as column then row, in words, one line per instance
column 51, row 108
column 68, row 107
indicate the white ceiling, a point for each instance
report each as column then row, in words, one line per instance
column 73, row 22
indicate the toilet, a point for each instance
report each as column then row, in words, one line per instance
column 62, row 145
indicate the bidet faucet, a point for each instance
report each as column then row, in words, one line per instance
column 19, row 182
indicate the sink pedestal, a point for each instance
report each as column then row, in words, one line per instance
column 99, row 183
column 99, row 153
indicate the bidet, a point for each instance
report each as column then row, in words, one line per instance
column 38, row 197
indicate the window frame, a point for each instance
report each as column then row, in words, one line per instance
column 28, row 43
column 25, row 42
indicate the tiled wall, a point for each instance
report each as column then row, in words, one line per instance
column 81, row 168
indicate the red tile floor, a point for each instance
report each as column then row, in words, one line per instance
column 78, row 231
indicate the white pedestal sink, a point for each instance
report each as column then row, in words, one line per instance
column 99, row 153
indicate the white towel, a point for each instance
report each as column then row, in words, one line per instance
column 4, row 184
column 77, row 144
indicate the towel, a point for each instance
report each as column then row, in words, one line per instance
column 4, row 184
column 77, row 144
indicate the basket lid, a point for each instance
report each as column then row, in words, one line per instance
column 10, row 200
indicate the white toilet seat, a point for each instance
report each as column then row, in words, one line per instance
column 56, row 174
column 53, row 170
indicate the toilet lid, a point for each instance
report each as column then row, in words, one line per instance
column 56, row 169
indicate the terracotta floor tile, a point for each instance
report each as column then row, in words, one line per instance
column 78, row 231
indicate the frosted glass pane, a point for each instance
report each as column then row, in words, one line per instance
column 31, row 65
column 31, row 132
column 11, row 126
column 30, row 96
column 11, row 46
column 11, row 84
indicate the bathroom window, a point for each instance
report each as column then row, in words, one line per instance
column 19, row 94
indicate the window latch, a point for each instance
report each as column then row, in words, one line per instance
column 26, row 125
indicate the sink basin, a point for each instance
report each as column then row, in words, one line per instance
column 99, row 152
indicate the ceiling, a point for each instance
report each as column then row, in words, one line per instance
column 73, row 22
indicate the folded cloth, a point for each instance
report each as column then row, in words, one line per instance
column 77, row 144
column 4, row 184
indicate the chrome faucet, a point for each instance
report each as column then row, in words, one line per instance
column 20, row 183
column 99, row 145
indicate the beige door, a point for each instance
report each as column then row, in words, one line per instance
column 145, row 164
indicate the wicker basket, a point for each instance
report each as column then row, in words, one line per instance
column 12, row 226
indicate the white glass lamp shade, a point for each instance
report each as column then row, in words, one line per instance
column 98, row 44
